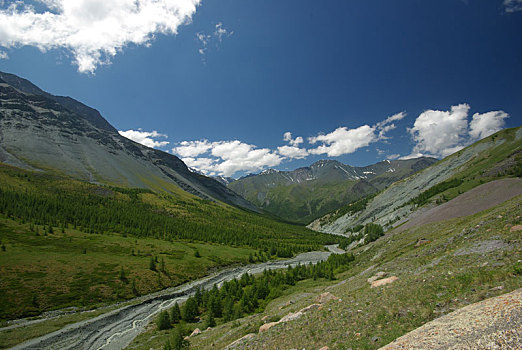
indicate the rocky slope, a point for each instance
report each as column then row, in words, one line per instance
column 481, row 162
column 59, row 134
column 306, row 193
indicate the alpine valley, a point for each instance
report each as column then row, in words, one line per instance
column 109, row 244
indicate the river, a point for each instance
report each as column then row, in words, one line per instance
column 116, row 329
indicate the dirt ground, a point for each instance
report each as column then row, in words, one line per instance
column 478, row 199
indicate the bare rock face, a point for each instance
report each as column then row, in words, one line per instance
column 494, row 323
column 384, row 281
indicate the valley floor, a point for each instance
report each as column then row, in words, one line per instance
column 432, row 270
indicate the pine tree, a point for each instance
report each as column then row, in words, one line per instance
column 175, row 313
column 163, row 321
column 210, row 321
column 190, row 310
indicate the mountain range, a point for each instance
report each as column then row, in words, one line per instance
column 305, row 194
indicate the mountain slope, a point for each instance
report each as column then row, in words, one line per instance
column 485, row 160
column 54, row 133
column 307, row 193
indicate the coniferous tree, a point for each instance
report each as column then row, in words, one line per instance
column 175, row 313
column 163, row 321
column 190, row 310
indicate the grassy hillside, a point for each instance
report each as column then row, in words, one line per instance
column 494, row 157
column 66, row 242
column 440, row 267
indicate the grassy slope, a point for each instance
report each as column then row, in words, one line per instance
column 45, row 272
column 502, row 158
column 452, row 270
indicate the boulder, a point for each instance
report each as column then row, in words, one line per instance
column 516, row 228
column 325, row 348
column 195, row 332
column 291, row 316
column 325, row 297
column 377, row 276
column 240, row 340
column 310, row 307
column 384, row 281
column 267, row 326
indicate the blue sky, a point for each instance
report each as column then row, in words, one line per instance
column 357, row 81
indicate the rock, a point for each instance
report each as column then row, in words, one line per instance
column 325, row 348
column 291, row 316
column 384, row 281
column 497, row 288
column 516, row 228
column 240, row 340
column 195, row 332
column 267, row 326
column 377, row 276
column 375, row 339
column 209, row 328
column 325, row 297
column 310, row 307
column 264, row 318
column 421, row 242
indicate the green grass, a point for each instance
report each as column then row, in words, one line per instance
column 46, row 272
column 433, row 281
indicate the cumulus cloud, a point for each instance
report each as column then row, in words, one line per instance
column 292, row 152
column 343, row 140
column 93, row 30
column 287, row 136
column 512, row 5
column 145, row 137
column 483, row 125
column 226, row 157
column 441, row 133
column 192, row 148
column 216, row 37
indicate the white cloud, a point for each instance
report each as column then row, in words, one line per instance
column 226, row 157
column 145, row 137
column 440, row 133
column 287, row 136
column 292, row 152
column 93, row 30
column 483, row 125
column 192, row 148
column 220, row 32
column 512, row 5
column 3, row 55
column 388, row 125
column 343, row 140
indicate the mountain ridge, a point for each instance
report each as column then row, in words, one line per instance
column 305, row 193
column 42, row 131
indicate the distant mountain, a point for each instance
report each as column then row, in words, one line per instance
column 306, row 193
column 59, row 134
column 495, row 156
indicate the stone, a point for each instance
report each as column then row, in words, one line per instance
column 325, row 348
column 325, row 297
column 267, row 326
column 421, row 242
column 516, row 228
column 377, row 276
column 240, row 340
column 384, row 281
column 195, row 332
column 291, row 316
column 310, row 307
